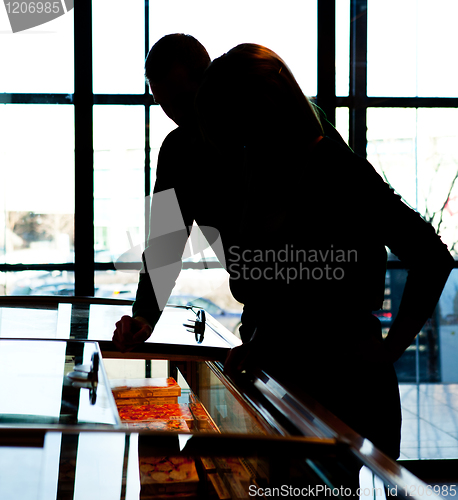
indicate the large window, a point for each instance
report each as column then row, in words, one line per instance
column 80, row 137
column 95, row 80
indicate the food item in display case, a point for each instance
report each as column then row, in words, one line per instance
column 142, row 401
column 145, row 401
column 160, row 425
column 201, row 419
column 137, row 413
column 164, row 475
column 157, row 387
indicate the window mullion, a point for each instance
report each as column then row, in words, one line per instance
column 326, row 85
column 358, row 76
column 84, row 151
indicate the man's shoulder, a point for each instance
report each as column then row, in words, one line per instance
column 173, row 137
column 178, row 156
column 180, row 136
column 182, row 148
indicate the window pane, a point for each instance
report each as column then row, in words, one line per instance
column 37, row 183
column 116, row 284
column 118, row 46
column 428, row 341
column 438, row 169
column 39, row 60
column 409, row 48
column 290, row 30
column 343, row 123
column 60, row 283
column 391, row 144
column 342, row 47
column 415, row 150
column 119, row 164
column 429, row 410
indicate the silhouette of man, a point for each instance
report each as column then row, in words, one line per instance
column 174, row 68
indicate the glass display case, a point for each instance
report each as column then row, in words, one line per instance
column 72, row 428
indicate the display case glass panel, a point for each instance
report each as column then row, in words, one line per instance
column 53, row 383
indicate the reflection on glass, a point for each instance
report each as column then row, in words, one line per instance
column 37, row 154
column 290, row 31
column 118, row 46
column 223, row 413
column 119, row 163
column 266, row 470
column 414, row 59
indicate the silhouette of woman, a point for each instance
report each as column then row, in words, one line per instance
column 306, row 246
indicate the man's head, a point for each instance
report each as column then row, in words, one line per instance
column 174, row 69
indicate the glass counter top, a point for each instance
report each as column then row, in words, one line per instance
column 50, row 383
column 96, row 321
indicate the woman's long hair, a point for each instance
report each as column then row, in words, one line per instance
column 249, row 93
